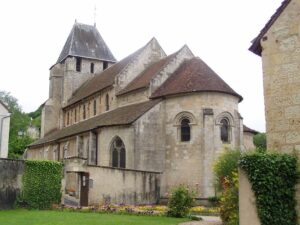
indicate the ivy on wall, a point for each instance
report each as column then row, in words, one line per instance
column 41, row 184
column 273, row 177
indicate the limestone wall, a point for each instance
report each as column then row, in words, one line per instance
column 11, row 172
column 149, row 140
column 281, row 74
column 191, row 162
column 247, row 207
column 248, row 141
column 111, row 185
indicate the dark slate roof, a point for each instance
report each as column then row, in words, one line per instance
column 256, row 46
column 103, row 80
column 85, row 41
column 143, row 79
column 249, row 130
column 194, row 76
column 121, row 116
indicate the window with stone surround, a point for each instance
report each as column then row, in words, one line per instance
column 92, row 68
column 107, row 102
column 78, row 64
column 118, row 153
column 184, row 122
column 225, row 121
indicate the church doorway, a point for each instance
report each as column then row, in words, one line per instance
column 84, row 189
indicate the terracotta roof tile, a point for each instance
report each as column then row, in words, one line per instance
column 120, row 116
column 249, row 130
column 256, row 47
column 194, row 76
column 103, row 80
column 143, row 79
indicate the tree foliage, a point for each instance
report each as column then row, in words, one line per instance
column 19, row 121
column 260, row 141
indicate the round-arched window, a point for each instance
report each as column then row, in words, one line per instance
column 224, row 130
column 185, row 130
column 118, row 153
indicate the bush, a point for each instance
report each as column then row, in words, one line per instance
column 230, row 201
column 273, row 178
column 260, row 142
column 225, row 169
column 225, row 165
column 41, row 184
column 180, row 202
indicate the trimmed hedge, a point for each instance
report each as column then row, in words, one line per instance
column 273, row 178
column 41, row 184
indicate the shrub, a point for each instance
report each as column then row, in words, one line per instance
column 225, row 165
column 260, row 142
column 180, row 202
column 41, row 184
column 229, row 202
column 273, row 178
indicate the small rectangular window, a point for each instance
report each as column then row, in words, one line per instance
column 75, row 119
column 95, row 107
column 84, row 113
column 105, row 65
column 92, row 67
column 78, row 64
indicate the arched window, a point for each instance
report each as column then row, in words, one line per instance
column 224, row 130
column 107, row 102
column 92, row 68
column 118, row 153
column 185, row 130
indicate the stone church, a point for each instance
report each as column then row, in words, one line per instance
column 129, row 131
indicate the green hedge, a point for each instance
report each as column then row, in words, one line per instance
column 273, row 178
column 41, row 184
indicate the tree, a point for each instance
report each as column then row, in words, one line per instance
column 260, row 141
column 19, row 122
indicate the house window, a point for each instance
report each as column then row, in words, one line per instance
column 118, row 153
column 105, row 65
column 107, row 102
column 185, row 130
column 95, row 107
column 78, row 64
column 75, row 119
column 224, row 130
column 68, row 118
column 92, row 68
column 84, row 112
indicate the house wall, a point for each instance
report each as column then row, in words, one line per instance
column 191, row 162
column 4, row 131
column 248, row 141
column 111, row 185
column 281, row 77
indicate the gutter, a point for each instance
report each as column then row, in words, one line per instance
column 1, row 128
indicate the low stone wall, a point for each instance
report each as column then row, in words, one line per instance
column 11, row 172
column 247, row 202
column 112, row 185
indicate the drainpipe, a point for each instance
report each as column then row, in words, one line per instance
column 1, row 128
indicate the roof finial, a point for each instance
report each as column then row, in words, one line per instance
column 95, row 14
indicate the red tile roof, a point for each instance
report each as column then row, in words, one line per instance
column 194, row 76
column 121, row 116
column 143, row 79
column 249, row 130
column 256, row 46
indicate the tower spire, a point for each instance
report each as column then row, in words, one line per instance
column 95, row 14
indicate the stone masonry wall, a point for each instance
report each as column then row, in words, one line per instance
column 281, row 70
column 11, row 172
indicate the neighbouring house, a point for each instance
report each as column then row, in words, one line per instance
column 278, row 44
column 248, row 138
column 4, row 129
column 129, row 131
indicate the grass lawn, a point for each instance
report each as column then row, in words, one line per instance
column 35, row 217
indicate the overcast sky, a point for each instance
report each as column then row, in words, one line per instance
column 219, row 32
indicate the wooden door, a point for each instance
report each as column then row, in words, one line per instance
column 84, row 189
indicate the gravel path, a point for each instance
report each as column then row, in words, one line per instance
column 207, row 220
